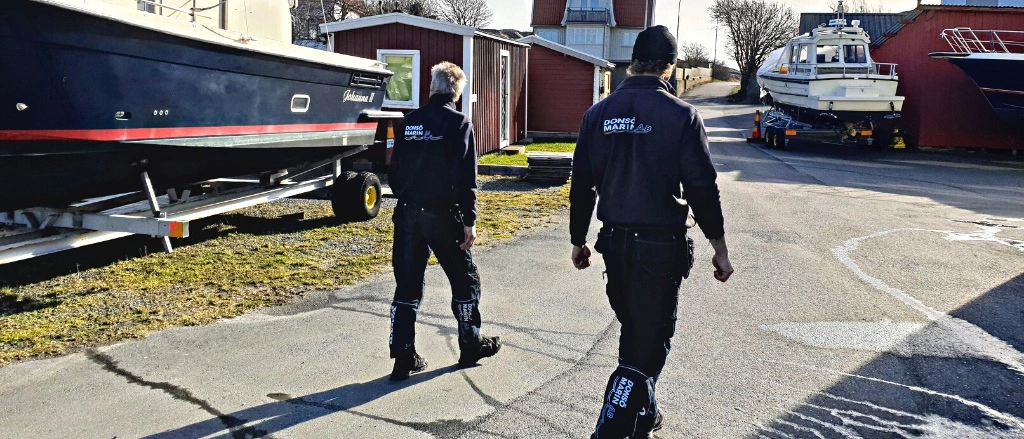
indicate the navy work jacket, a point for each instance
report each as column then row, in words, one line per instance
column 638, row 149
column 434, row 159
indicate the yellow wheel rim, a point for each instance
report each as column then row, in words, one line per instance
column 370, row 197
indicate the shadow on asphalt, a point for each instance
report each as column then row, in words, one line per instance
column 976, row 181
column 288, row 411
column 917, row 394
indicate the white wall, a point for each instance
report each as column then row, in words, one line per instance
column 558, row 32
column 617, row 51
column 589, row 39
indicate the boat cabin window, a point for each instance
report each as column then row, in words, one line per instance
column 404, row 89
column 828, row 54
column 800, row 55
column 148, row 5
column 856, row 55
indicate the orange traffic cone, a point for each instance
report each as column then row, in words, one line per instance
column 390, row 143
column 755, row 134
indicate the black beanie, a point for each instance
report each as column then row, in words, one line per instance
column 655, row 44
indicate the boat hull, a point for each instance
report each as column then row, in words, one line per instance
column 837, row 99
column 88, row 103
column 1000, row 78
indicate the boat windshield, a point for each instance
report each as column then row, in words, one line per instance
column 800, row 54
column 856, row 54
column 828, row 54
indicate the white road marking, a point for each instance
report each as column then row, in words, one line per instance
column 1006, row 418
column 988, row 345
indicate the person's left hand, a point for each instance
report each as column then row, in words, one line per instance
column 581, row 257
column 470, row 238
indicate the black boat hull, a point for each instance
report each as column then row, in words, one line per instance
column 1000, row 78
column 88, row 103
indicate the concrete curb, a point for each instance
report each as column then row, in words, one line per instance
column 518, row 171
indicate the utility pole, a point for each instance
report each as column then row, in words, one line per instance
column 713, row 63
column 679, row 13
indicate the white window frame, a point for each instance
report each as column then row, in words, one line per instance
column 415, row 103
column 580, row 36
column 507, row 81
column 629, row 38
column 549, row 32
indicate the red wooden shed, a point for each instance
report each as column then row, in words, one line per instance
column 495, row 96
column 944, row 108
column 563, row 84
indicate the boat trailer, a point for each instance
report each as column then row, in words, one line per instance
column 779, row 128
column 32, row 232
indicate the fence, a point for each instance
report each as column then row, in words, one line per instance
column 687, row 79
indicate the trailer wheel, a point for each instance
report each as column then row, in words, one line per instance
column 356, row 197
column 769, row 137
column 779, row 140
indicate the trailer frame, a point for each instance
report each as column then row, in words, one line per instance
column 779, row 127
column 32, row 232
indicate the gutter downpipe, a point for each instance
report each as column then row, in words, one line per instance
column 647, row 13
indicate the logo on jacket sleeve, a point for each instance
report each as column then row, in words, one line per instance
column 625, row 125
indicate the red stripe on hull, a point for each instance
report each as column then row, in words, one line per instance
column 114, row 135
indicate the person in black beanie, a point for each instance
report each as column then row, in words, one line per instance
column 637, row 148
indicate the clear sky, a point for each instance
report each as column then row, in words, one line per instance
column 694, row 24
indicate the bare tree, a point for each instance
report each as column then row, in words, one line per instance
column 859, row 6
column 474, row 13
column 422, row 8
column 693, row 55
column 308, row 15
column 754, row 28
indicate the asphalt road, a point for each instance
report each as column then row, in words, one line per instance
column 877, row 295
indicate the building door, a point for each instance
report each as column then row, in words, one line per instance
column 505, row 98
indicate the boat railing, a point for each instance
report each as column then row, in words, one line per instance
column 847, row 71
column 192, row 12
column 967, row 40
column 884, row 69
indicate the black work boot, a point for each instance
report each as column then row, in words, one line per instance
column 486, row 347
column 658, row 419
column 406, row 365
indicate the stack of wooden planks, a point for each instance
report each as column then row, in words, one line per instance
column 545, row 167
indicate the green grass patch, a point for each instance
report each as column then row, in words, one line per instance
column 500, row 159
column 257, row 257
column 503, row 159
column 551, row 147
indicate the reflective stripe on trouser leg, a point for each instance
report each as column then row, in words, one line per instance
column 627, row 395
column 467, row 314
column 403, row 327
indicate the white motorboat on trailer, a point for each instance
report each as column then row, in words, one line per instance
column 829, row 75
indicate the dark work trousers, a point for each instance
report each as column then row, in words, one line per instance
column 418, row 231
column 645, row 268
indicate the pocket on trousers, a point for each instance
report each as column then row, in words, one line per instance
column 657, row 257
column 687, row 258
column 601, row 245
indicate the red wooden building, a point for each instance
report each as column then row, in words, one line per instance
column 944, row 108
column 495, row 96
column 606, row 29
column 563, row 84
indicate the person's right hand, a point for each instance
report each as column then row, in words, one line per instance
column 581, row 257
column 723, row 268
